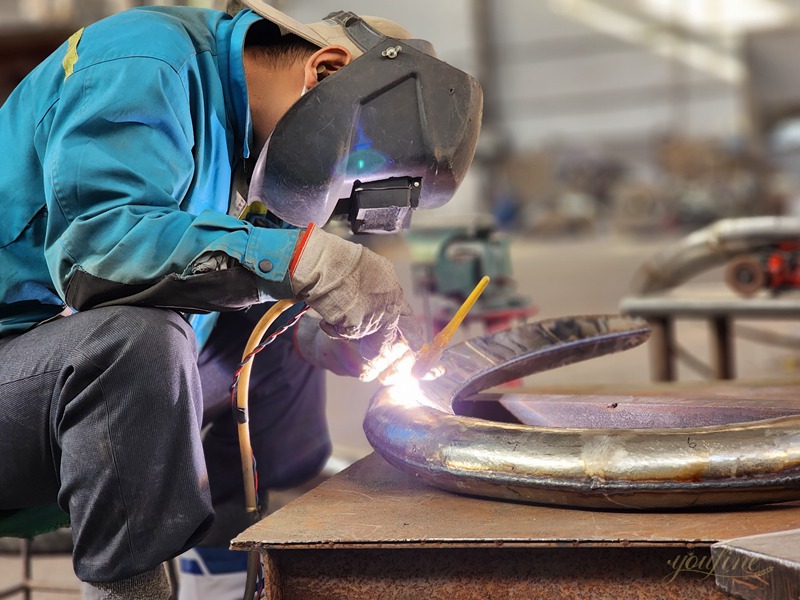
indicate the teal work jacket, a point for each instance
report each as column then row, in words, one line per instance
column 118, row 153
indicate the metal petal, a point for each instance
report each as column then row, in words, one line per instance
column 416, row 430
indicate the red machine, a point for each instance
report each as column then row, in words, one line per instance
column 774, row 268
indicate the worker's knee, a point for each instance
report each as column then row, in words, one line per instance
column 149, row 338
column 147, row 356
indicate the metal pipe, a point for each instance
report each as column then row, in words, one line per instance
column 417, row 431
column 711, row 246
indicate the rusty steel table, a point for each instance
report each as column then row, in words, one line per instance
column 718, row 307
column 374, row 532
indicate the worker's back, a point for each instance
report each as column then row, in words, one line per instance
column 138, row 106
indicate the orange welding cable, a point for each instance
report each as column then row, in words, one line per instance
column 245, row 447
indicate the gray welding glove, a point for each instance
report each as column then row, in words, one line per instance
column 343, row 357
column 336, row 355
column 358, row 296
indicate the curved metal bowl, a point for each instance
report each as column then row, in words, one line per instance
column 416, row 430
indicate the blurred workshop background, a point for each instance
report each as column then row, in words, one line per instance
column 612, row 129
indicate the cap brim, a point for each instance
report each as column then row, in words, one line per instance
column 320, row 34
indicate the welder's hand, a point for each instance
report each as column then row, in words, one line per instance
column 343, row 357
column 321, row 350
column 357, row 294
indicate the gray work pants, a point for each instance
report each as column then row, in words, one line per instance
column 102, row 412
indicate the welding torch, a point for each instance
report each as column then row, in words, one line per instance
column 429, row 355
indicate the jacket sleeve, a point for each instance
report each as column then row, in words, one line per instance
column 119, row 159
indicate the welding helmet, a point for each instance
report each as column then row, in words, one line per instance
column 393, row 131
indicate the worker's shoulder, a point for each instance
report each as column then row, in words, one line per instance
column 169, row 34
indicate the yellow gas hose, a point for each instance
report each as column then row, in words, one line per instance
column 245, row 448
column 431, row 353
column 428, row 357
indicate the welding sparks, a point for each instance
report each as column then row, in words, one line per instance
column 407, row 392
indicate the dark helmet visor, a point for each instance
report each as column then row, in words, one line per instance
column 394, row 119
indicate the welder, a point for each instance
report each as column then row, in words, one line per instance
column 168, row 173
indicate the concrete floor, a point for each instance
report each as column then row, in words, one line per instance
column 563, row 277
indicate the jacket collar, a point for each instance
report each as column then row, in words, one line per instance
column 230, row 38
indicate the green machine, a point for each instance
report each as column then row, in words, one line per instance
column 448, row 262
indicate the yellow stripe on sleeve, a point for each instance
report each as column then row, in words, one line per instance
column 71, row 57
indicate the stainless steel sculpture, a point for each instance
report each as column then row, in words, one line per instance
column 712, row 246
column 415, row 429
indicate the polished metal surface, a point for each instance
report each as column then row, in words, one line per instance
column 604, row 411
column 415, row 428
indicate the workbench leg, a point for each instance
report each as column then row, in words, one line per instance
column 722, row 355
column 662, row 349
column 272, row 580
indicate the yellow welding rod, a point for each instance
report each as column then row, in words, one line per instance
column 430, row 353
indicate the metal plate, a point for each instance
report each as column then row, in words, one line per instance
column 373, row 505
